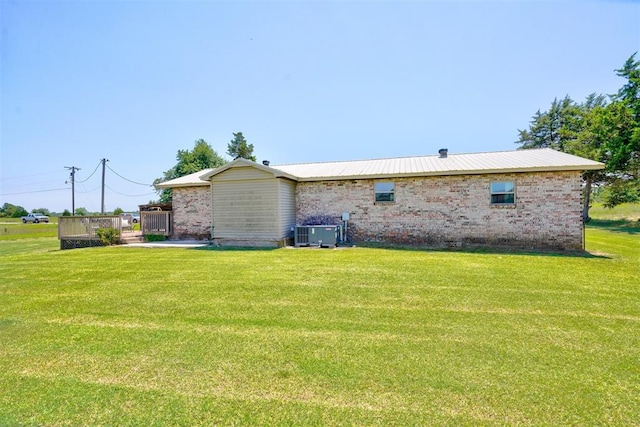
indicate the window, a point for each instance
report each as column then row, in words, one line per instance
column 384, row 191
column 503, row 193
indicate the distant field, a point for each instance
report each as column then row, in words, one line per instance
column 624, row 217
column 626, row 211
column 357, row 336
column 13, row 228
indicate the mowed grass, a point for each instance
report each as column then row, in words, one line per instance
column 625, row 217
column 13, row 228
column 358, row 336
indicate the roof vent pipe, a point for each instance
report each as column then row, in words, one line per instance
column 443, row 152
column 265, row 162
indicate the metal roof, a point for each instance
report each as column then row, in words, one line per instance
column 191, row 180
column 278, row 173
column 534, row 160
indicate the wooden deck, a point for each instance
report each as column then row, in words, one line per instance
column 82, row 231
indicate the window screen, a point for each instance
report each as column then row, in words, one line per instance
column 384, row 191
column 503, row 193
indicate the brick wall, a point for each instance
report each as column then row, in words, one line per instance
column 455, row 211
column 192, row 213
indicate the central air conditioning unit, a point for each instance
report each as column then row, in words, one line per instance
column 316, row 235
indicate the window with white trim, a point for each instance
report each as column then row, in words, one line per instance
column 503, row 193
column 384, row 191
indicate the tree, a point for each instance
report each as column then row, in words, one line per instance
column 625, row 125
column 239, row 149
column 66, row 213
column 12, row 211
column 43, row 211
column 566, row 127
column 201, row 157
column 118, row 211
column 615, row 129
column 560, row 127
column 630, row 92
column 601, row 131
column 82, row 211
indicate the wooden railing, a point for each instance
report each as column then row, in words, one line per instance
column 86, row 227
column 156, row 222
column 82, row 231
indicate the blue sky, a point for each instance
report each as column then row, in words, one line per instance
column 136, row 81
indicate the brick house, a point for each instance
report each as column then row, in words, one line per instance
column 529, row 199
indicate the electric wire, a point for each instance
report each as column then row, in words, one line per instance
column 85, row 197
column 129, row 195
column 19, row 186
column 82, row 192
column 88, row 191
column 29, row 176
column 127, row 179
column 94, row 171
column 35, row 191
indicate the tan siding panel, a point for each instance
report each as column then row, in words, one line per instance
column 245, row 209
column 287, row 206
column 241, row 174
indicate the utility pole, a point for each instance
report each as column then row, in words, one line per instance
column 104, row 161
column 73, row 170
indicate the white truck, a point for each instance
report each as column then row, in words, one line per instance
column 35, row 217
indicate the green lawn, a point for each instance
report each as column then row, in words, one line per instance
column 359, row 336
column 625, row 217
column 626, row 211
column 12, row 228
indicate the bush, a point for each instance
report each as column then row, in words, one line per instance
column 108, row 236
column 154, row 238
column 321, row 220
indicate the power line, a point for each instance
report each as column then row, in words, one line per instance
column 129, row 195
column 77, row 181
column 127, row 179
column 35, row 191
column 104, row 163
column 94, row 171
column 18, row 186
column 29, row 176
column 88, row 191
column 73, row 170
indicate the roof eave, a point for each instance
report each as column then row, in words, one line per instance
column 186, row 184
column 277, row 173
column 455, row 172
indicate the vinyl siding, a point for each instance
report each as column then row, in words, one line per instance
column 287, row 206
column 246, row 209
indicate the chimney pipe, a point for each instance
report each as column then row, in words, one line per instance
column 443, row 152
column 265, row 162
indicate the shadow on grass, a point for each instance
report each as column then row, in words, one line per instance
column 495, row 251
column 480, row 251
column 214, row 248
column 618, row 225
